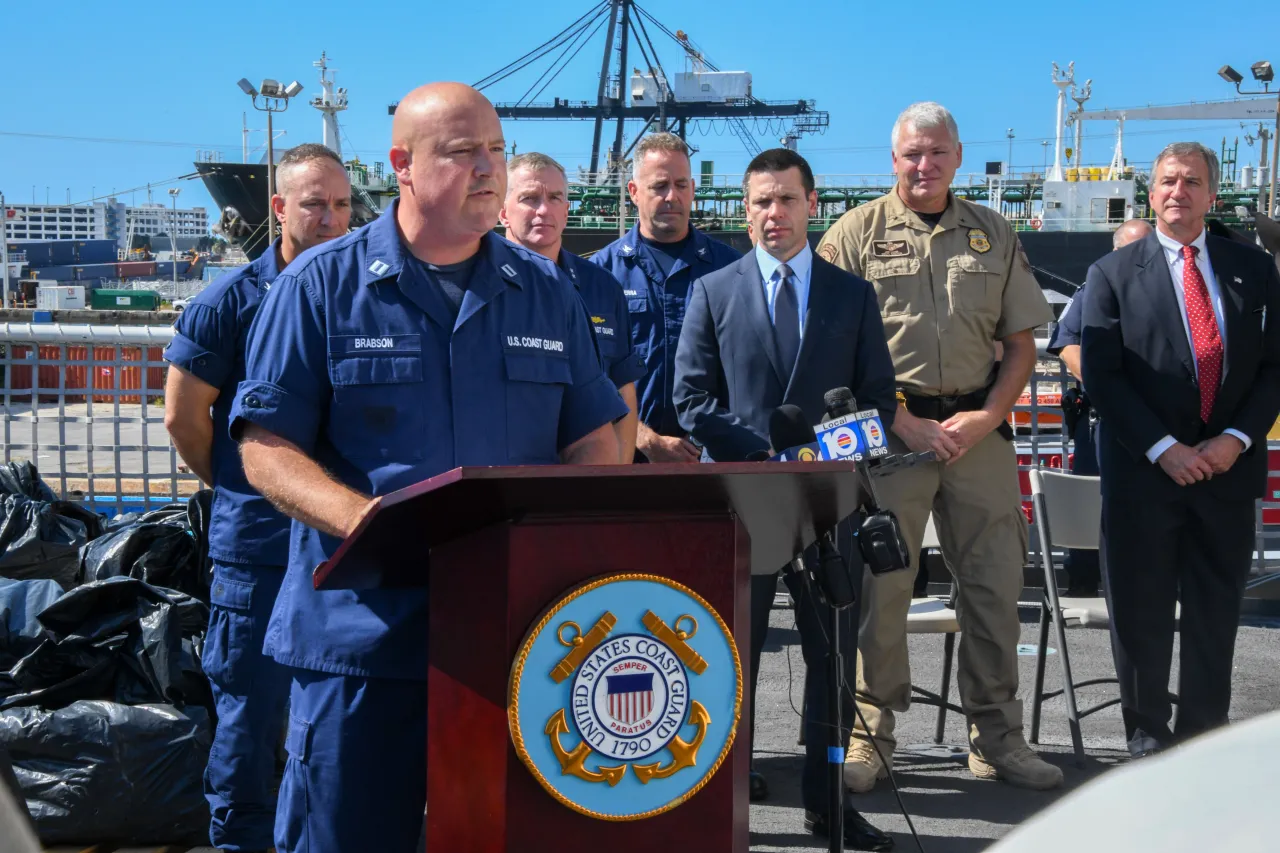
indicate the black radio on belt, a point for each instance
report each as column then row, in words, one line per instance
column 942, row 407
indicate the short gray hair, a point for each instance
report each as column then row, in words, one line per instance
column 922, row 116
column 1124, row 235
column 658, row 142
column 534, row 161
column 1191, row 149
column 300, row 155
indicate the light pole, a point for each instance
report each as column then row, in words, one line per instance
column 1264, row 74
column 1009, row 171
column 173, row 238
column 4, row 250
column 275, row 99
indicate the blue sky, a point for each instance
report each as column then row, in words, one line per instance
column 100, row 97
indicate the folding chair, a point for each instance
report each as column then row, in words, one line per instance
column 933, row 615
column 1068, row 514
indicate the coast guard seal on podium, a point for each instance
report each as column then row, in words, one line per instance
column 630, row 716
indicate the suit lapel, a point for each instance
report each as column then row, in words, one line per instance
column 1233, row 300
column 751, row 292
column 1159, row 286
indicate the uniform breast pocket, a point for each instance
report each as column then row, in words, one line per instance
column 974, row 286
column 535, row 389
column 379, row 407
column 609, row 338
column 638, row 308
column 897, row 284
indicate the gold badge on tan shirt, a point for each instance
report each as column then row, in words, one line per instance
column 978, row 241
column 890, row 249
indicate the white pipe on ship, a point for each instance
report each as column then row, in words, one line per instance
column 78, row 333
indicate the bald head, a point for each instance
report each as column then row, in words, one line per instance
column 448, row 154
column 1133, row 230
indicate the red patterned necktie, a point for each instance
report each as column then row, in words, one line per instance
column 1205, row 339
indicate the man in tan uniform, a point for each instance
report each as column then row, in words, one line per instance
column 950, row 277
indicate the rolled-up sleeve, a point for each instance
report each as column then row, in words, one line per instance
column 204, row 342
column 591, row 400
column 286, row 384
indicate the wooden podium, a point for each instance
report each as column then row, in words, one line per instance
column 504, row 544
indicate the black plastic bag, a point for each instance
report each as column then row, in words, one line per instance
column 20, row 603
column 42, row 539
column 118, row 639
column 101, row 772
column 22, row 478
column 166, row 547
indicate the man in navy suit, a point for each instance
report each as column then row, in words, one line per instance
column 782, row 325
column 1181, row 356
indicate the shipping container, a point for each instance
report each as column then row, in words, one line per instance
column 164, row 269
column 53, row 298
column 83, row 371
column 58, row 273
column 106, row 299
column 90, row 271
column 95, row 251
column 64, row 252
column 135, row 269
column 39, row 253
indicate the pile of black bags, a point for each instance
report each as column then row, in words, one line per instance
column 104, row 712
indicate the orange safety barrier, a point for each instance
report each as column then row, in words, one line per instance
column 80, row 374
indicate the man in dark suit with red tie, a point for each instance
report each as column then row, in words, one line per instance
column 1181, row 356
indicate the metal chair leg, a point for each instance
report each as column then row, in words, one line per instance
column 948, row 652
column 1037, row 696
column 1069, row 692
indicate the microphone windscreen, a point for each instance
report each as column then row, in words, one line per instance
column 788, row 427
column 839, row 402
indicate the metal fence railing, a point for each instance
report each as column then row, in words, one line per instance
column 85, row 404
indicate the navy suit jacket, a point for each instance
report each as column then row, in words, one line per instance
column 1141, row 377
column 729, row 377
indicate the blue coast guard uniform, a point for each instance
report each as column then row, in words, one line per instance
column 656, row 300
column 610, row 319
column 361, row 359
column 249, row 546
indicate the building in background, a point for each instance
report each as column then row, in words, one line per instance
column 109, row 220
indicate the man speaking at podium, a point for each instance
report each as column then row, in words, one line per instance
column 420, row 343
column 783, row 326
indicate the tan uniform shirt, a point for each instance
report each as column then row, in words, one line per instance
column 946, row 293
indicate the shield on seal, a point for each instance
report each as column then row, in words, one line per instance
column 630, row 697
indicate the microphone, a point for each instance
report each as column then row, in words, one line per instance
column 850, row 434
column 790, row 429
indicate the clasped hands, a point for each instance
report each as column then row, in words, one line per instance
column 1186, row 465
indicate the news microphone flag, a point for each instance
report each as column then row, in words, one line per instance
column 857, row 437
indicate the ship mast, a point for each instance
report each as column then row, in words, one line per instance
column 329, row 102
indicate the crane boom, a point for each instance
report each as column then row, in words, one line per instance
column 1258, row 109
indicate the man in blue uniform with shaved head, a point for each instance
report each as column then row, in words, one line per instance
column 415, row 345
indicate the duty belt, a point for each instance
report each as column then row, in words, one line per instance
column 942, row 407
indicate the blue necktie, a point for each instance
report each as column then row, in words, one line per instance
column 786, row 319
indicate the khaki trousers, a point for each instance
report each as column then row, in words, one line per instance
column 976, row 505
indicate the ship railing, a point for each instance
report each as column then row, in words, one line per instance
column 85, row 403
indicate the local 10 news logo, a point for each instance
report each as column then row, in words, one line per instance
column 853, row 437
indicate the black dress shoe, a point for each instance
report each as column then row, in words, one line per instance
column 858, row 833
column 759, row 787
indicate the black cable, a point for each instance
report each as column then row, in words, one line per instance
column 673, row 36
column 552, row 69
column 584, row 43
column 644, row 32
column 538, row 52
column 847, row 690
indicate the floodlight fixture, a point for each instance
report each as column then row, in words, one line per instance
column 292, row 90
column 270, row 88
column 247, row 88
column 1262, row 72
column 1231, row 75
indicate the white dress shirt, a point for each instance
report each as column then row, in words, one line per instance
column 1173, row 256
column 801, row 271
